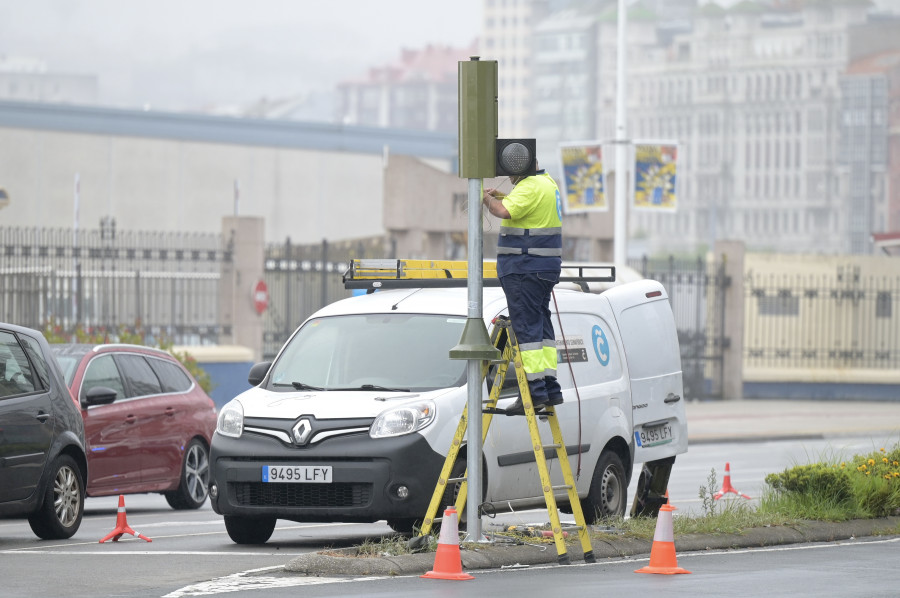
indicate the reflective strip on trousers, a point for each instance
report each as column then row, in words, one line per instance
column 540, row 361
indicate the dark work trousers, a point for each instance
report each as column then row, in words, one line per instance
column 528, row 298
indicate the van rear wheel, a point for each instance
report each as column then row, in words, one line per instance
column 607, row 494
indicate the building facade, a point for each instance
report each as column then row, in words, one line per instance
column 751, row 93
column 418, row 91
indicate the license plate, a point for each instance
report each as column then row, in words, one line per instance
column 647, row 437
column 304, row 474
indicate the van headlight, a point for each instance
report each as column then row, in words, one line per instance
column 403, row 420
column 231, row 419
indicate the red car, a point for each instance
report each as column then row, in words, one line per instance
column 147, row 422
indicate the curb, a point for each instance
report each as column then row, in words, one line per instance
column 496, row 556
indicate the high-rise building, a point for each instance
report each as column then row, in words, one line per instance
column 754, row 95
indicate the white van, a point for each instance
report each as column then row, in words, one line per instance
column 353, row 420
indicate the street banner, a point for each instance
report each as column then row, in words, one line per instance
column 582, row 185
column 655, row 187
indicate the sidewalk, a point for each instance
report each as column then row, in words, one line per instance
column 763, row 419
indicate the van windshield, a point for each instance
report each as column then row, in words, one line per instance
column 380, row 351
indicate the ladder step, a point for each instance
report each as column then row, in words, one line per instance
column 460, row 479
column 563, row 487
column 551, row 446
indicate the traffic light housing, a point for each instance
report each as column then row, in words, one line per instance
column 515, row 157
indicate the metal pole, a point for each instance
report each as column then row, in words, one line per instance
column 475, row 289
column 620, row 250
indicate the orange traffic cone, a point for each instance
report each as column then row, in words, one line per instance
column 122, row 526
column 447, row 562
column 662, row 553
column 727, row 487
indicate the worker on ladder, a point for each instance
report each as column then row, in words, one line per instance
column 529, row 257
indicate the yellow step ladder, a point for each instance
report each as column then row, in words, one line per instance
column 504, row 339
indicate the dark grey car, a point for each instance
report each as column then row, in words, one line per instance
column 42, row 448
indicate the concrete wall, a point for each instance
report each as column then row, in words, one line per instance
column 174, row 185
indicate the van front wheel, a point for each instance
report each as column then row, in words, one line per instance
column 606, row 497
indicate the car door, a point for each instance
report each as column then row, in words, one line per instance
column 26, row 422
column 159, row 415
column 112, row 431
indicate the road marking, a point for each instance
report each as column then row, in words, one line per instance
column 248, row 580
column 216, row 533
column 149, row 552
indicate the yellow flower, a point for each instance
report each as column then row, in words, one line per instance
column 896, row 475
column 881, row 449
column 861, row 467
column 867, row 473
column 887, row 476
column 884, row 460
column 896, row 463
column 842, row 465
column 871, row 461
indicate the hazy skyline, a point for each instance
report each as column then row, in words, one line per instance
column 191, row 54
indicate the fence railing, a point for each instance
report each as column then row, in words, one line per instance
column 304, row 278
column 696, row 290
column 822, row 322
column 103, row 281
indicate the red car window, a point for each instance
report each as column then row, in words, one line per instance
column 172, row 377
column 140, row 376
column 102, row 371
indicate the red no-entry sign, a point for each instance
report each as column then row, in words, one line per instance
column 260, row 297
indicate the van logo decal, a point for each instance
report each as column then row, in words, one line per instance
column 601, row 345
column 301, row 431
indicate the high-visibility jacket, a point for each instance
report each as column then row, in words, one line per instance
column 531, row 239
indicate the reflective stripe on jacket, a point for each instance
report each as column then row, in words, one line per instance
column 531, row 239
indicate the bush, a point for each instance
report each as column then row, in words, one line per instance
column 866, row 486
column 818, row 479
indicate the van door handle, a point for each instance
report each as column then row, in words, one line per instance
column 42, row 417
column 672, row 398
column 170, row 411
column 130, row 419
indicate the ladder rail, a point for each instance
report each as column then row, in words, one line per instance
column 504, row 336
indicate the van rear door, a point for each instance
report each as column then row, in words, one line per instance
column 653, row 359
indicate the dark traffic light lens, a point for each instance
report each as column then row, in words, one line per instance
column 515, row 158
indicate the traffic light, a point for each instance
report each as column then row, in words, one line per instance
column 515, row 157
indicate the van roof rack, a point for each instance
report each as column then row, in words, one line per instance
column 372, row 274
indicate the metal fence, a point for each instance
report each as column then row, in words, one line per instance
column 825, row 322
column 103, row 281
column 696, row 290
column 304, row 278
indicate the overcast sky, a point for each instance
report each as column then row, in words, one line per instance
column 187, row 54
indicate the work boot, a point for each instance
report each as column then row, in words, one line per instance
column 518, row 408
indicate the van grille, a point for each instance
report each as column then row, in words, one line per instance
column 259, row 494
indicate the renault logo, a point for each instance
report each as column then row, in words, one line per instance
column 302, row 431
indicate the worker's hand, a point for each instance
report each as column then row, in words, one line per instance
column 491, row 193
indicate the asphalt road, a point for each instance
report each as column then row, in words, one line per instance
column 191, row 553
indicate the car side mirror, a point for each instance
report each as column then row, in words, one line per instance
column 258, row 373
column 99, row 395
